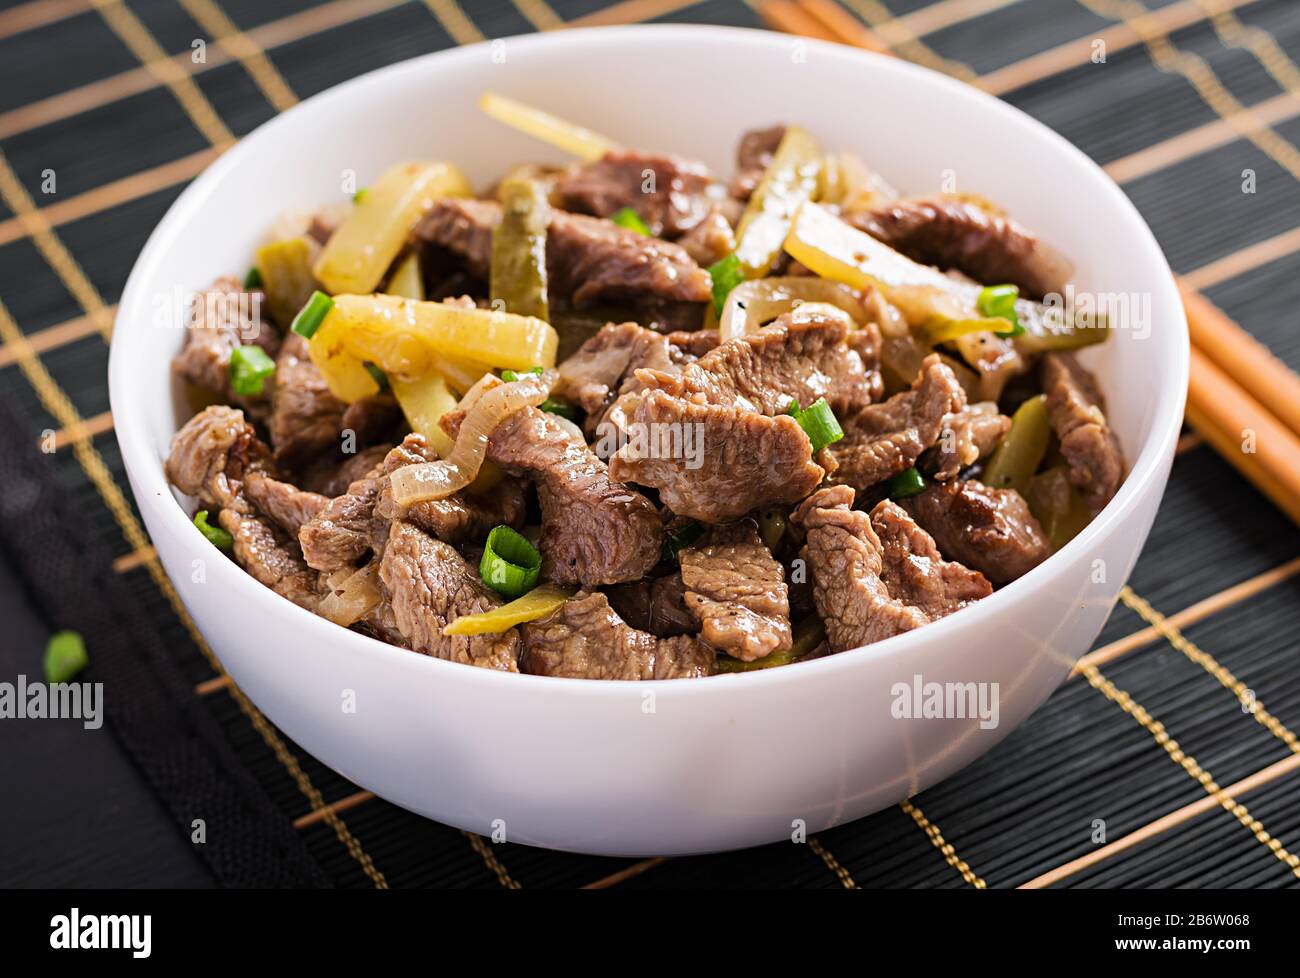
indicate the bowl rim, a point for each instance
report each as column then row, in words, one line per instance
column 155, row 494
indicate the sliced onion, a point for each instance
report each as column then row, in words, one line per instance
column 486, row 405
column 755, row 303
column 354, row 598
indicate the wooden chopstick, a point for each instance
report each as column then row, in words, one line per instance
column 1241, row 398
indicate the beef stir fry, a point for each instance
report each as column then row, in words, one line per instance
column 631, row 419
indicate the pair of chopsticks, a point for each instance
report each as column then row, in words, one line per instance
column 1240, row 397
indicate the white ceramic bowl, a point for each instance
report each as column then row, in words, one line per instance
column 658, row 767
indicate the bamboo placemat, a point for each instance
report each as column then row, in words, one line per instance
column 1169, row 759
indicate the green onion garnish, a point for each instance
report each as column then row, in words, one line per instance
column 218, row 537
column 511, row 375
column 999, row 301
column 65, row 656
column 360, row 195
column 381, row 378
column 249, row 368
column 726, row 275
column 510, row 564
column 630, row 219
column 312, row 314
column 253, row 280
column 905, row 484
column 681, row 538
column 818, row 422
column 563, row 408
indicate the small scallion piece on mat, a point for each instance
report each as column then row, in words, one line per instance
column 905, row 484
column 65, row 656
column 630, row 219
column 218, row 537
column 999, row 301
column 253, row 280
column 726, row 275
column 312, row 314
column 249, row 368
column 818, row 422
column 510, row 564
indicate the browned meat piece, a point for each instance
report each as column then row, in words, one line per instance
column 668, row 192
column 734, row 460
column 845, row 559
column 752, row 157
column 429, row 586
column 271, row 558
column 220, row 318
column 1076, row 409
column 305, row 417
column 801, row 356
column 588, row 260
column 711, row 240
column 990, row 530
column 656, row 606
column 882, row 440
column 585, row 639
column 953, row 232
column 967, row 436
column 331, row 478
column 687, row 346
column 737, row 591
column 287, row 505
column 371, row 419
column 595, row 530
column 210, row 455
column 914, row 571
column 346, row 529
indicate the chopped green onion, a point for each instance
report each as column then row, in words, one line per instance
column 253, row 280
column 818, row 422
column 563, row 408
column 249, row 368
column 726, row 275
column 360, row 195
column 905, row 484
column 630, row 219
column 381, row 378
column 681, row 538
column 511, row 375
column 218, row 537
column 312, row 314
column 999, row 301
column 65, row 656
column 510, row 564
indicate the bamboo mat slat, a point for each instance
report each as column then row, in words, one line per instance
column 1026, row 813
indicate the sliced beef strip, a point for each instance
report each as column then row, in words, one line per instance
column 711, row 240
column 372, row 419
column 271, row 557
column 1076, row 410
column 585, row 639
column 220, row 318
column 846, row 561
column 346, row 529
column 958, row 233
column 667, row 192
column 752, row 158
column 740, row 460
column 305, row 417
column 429, row 586
column 595, row 530
column 211, row 454
column 737, row 591
column 588, row 260
column 655, row 605
column 990, row 530
column 801, row 355
column 285, row 504
column 330, row 477
column 914, row 571
column 882, row 440
column 967, row 436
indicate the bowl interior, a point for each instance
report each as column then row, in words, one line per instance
column 691, row 91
